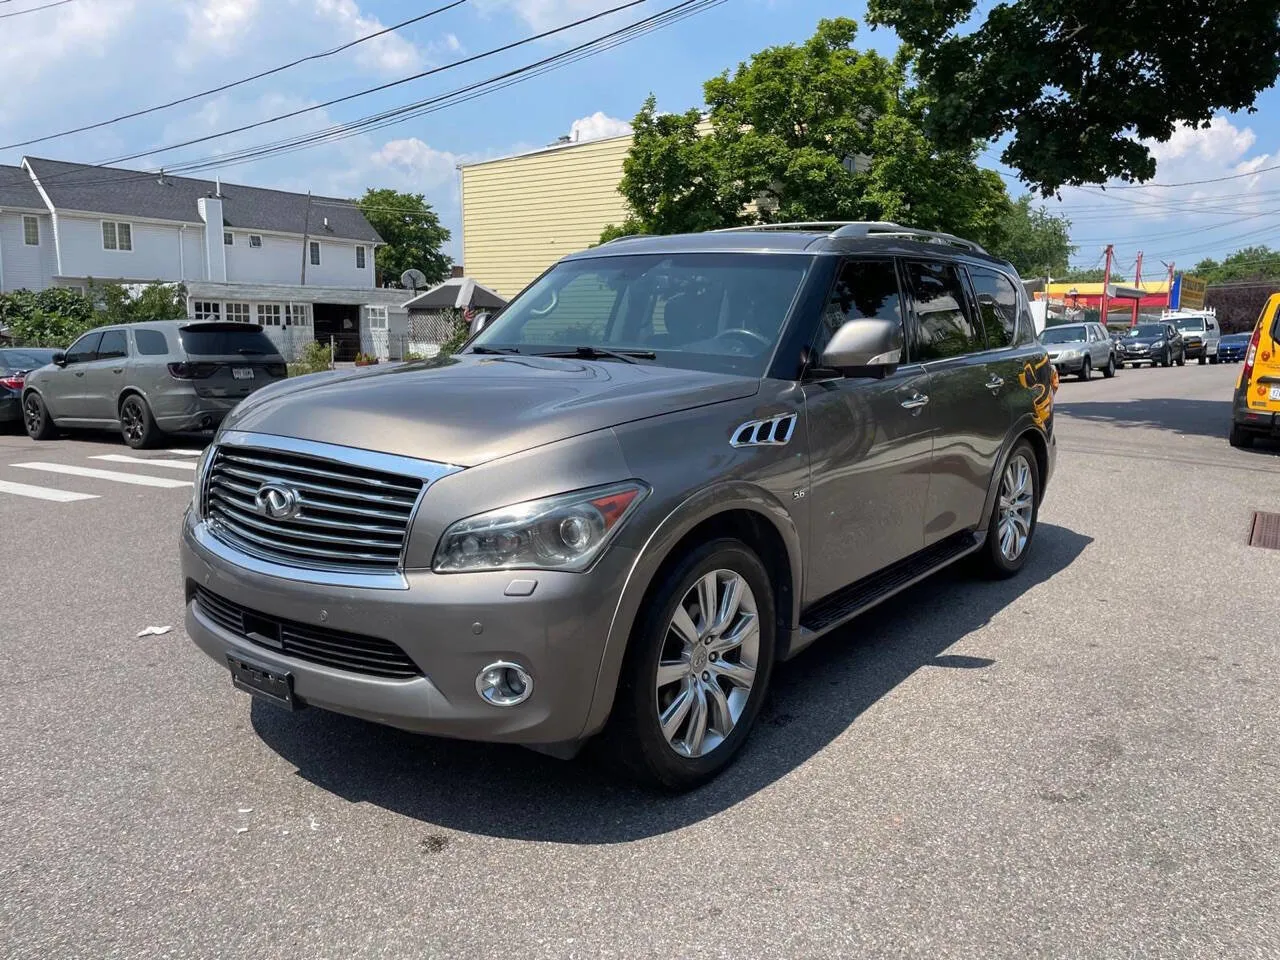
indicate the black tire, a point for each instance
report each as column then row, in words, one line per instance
column 35, row 417
column 1213, row 359
column 991, row 560
column 634, row 735
column 1120, row 365
column 1109, row 370
column 1182, row 358
column 1240, row 439
column 1203, row 360
column 137, row 425
column 1086, row 370
column 1167, row 360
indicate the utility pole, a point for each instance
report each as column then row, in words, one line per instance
column 1106, row 279
column 1137, row 282
column 1168, row 297
column 306, row 228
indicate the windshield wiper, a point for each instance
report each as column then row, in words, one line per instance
column 494, row 350
column 601, row 353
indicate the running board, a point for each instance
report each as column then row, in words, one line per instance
column 845, row 604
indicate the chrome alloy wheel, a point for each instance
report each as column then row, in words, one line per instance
column 1017, row 503
column 708, row 662
column 32, row 413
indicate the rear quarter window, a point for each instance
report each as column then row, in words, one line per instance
column 219, row 342
column 150, row 343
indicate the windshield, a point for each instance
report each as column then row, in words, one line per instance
column 720, row 312
column 1147, row 330
column 1237, row 337
column 1062, row 335
column 212, row 340
column 1190, row 325
column 11, row 360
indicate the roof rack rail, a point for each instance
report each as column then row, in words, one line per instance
column 629, row 236
column 816, row 225
column 883, row 229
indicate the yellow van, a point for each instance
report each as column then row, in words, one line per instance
column 1256, row 410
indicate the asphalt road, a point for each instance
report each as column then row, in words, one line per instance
column 1082, row 762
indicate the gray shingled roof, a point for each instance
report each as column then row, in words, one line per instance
column 17, row 190
column 79, row 186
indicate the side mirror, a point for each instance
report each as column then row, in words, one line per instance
column 870, row 347
column 60, row 359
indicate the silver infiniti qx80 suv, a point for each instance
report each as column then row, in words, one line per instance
column 667, row 465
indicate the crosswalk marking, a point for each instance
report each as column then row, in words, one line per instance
column 113, row 475
column 185, row 453
column 123, row 458
column 43, row 493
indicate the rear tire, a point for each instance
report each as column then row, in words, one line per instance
column 1240, row 439
column 1086, row 370
column 35, row 417
column 137, row 426
column 668, row 665
column 1014, row 516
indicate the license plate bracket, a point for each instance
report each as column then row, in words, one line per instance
column 1275, row 393
column 274, row 686
column 242, row 373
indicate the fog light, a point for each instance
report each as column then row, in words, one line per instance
column 504, row 684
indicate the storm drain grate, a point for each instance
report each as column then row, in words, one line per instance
column 1265, row 530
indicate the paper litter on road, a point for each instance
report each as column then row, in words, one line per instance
column 245, row 810
column 242, row 829
column 154, row 631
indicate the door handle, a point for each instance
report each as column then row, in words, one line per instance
column 915, row 401
column 79, row 373
column 117, row 369
column 995, row 383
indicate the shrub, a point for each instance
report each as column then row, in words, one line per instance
column 316, row 358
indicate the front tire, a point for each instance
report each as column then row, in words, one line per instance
column 1109, row 370
column 1202, row 361
column 693, row 683
column 137, row 426
column 1014, row 518
column 35, row 417
column 1182, row 358
column 1086, row 370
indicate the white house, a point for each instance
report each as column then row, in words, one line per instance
column 302, row 266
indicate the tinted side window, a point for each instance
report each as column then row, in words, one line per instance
column 998, row 306
column 944, row 327
column 113, row 346
column 864, row 288
column 85, row 348
column 150, row 343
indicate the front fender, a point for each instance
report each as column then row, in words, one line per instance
column 696, row 509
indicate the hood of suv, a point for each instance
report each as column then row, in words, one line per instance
column 469, row 409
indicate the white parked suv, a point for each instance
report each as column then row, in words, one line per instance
column 1200, row 332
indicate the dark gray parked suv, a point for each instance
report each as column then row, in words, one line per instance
column 670, row 463
column 146, row 379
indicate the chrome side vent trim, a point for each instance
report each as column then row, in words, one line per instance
column 773, row 432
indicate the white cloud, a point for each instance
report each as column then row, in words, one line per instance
column 598, row 126
column 30, row 47
column 389, row 53
column 545, row 14
column 411, row 164
column 218, row 24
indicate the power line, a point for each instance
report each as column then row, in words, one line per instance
column 18, row 13
column 237, row 83
column 400, row 114
column 380, row 87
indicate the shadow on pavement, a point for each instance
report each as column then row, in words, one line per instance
column 510, row 792
column 1201, row 418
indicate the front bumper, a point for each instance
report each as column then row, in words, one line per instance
column 451, row 626
column 1145, row 356
column 1071, row 365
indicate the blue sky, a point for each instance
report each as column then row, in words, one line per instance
column 92, row 59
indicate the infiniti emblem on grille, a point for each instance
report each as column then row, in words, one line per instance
column 276, row 501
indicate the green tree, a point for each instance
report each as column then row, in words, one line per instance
column 50, row 318
column 1078, row 86
column 815, row 131
column 1248, row 263
column 1034, row 240
column 412, row 233
column 156, row 301
column 1092, row 275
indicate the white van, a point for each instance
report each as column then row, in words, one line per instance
column 1200, row 332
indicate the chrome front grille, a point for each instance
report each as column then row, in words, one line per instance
column 340, row 515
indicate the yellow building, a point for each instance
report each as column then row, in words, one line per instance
column 521, row 214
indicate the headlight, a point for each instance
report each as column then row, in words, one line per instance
column 565, row 532
column 1157, row 345
column 1068, row 354
column 201, row 465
